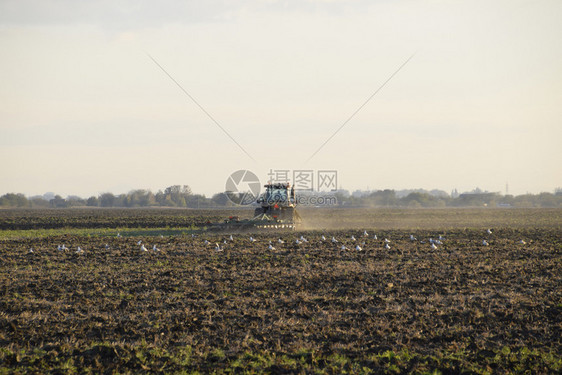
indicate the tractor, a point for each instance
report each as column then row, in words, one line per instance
column 276, row 211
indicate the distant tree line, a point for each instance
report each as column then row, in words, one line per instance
column 182, row 196
column 476, row 198
column 172, row 196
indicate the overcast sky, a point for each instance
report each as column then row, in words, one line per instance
column 84, row 110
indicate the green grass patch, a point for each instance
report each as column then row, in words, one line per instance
column 87, row 232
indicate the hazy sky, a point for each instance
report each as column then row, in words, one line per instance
column 83, row 109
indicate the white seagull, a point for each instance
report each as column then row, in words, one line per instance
column 489, row 231
column 217, row 247
column 365, row 234
column 358, row 248
column 323, row 238
column 143, row 248
column 252, row 239
column 386, row 246
column 139, row 243
column 334, row 239
column 353, row 238
column 484, row 243
column 270, row 247
column 79, row 250
column 412, row 238
column 343, row 247
column 155, row 248
column 280, row 241
column 522, row 242
column 433, row 246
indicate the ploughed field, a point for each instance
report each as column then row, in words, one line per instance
column 460, row 306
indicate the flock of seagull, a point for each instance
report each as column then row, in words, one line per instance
column 349, row 243
column 346, row 244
